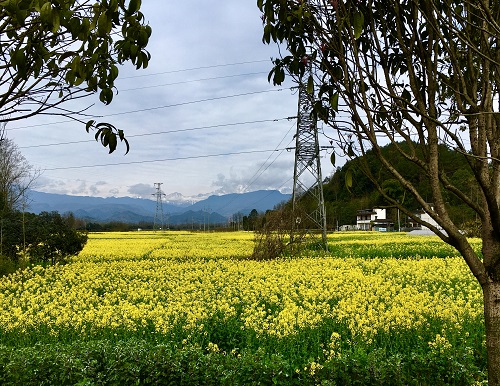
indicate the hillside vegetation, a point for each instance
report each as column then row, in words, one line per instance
column 342, row 202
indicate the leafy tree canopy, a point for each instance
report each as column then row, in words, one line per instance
column 52, row 51
column 424, row 72
column 47, row 238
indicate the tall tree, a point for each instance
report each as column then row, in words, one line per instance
column 423, row 72
column 53, row 51
column 16, row 175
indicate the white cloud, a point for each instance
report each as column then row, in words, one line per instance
column 141, row 190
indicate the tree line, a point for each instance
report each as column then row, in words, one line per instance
column 27, row 238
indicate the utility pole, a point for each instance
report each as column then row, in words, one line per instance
column 206, row 212
column 307, row 160
column 159, row 206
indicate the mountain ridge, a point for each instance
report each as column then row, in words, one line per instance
column 135, row 210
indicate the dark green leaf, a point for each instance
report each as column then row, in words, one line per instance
column 134, row 6
column 112, row 142
column 337, row 73
column 279, row 76
column 106, row 96
column 350, row 152
column 89, row 125
column 145, row 59
column 142, row 39
column 406, row 95
column 348, row 179
column 270, row 75
column 266, row 38
column 126, row 144
column 114, row 72
column 65, row 56
column 334, row 101
column 78, row 81
column 55, row 20
column 45, row 12
column 104, row 25
column 359, row 20
column 105, row 138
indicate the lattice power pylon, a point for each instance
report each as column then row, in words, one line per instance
column 307, row 179
column 159, row 206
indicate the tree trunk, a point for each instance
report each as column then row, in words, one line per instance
column 491, row 294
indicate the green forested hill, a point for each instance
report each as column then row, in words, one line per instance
column 342, row 203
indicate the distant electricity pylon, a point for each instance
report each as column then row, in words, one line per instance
column 307, row 162
column 159, row 206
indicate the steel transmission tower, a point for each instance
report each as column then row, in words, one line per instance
column 159, row 206
column 307, row 163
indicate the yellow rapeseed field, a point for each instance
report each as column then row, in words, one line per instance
column 149, row 282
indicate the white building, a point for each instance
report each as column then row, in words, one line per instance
column 424, row 216
column 373, row 219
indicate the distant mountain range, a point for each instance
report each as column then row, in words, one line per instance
column 135, row 210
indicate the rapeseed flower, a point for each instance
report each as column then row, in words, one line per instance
column 133, row 281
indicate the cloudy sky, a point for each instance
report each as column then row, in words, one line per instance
column 201, row 119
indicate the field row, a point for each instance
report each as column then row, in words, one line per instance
column 191, row 308
column 161, row 281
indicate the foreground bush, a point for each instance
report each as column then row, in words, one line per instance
column 284, row 362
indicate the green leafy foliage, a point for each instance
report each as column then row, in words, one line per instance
column 47, row 238
column 350, row 187
column 69, row 48
column 334, row 101
column 108, row 135
column 140, row 361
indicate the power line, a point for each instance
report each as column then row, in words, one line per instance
column 158, row 107
column 160, row 132
column 192, row 81
column 252, row 181
column 192, row 102
column 257, row 175
column 196, row 68
column 163, row 160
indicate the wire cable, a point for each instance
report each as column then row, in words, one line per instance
column 162, row 160
column 160, row 132
column 158, row 107
column 192, row 81
column 196, row 68
column 257, row 175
